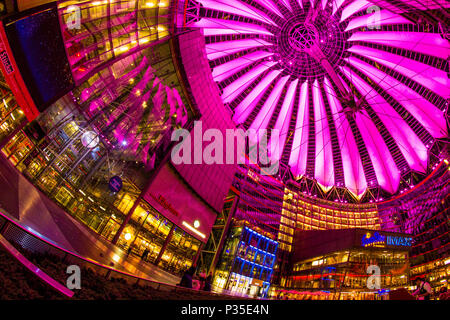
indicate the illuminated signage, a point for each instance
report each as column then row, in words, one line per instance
column 398, row 241
column 187, row 225
column 253, row 175
column 375, row 240
column 115, row 184
column 378, row 240
column 6, row 62
column 165, row 204
column 14, row 79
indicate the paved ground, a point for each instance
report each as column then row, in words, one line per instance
column 25, row 204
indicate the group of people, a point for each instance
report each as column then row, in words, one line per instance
column 189, row 276
column 425, row 292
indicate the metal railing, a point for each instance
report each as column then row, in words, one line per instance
column 15, row 233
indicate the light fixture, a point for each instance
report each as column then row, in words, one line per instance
column 128, row 236
column 187, row 225
column 196, row 224
column 89, row 139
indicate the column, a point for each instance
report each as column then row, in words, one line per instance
column 166, row 242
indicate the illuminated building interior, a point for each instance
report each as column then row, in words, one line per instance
column 354, row 96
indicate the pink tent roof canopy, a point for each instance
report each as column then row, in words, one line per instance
column 357, row 89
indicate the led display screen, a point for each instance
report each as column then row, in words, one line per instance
column 38, row 49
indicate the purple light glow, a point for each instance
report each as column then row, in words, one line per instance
column 214, row 27
column 287, row 4
column 408, row 142
column 237, row 7
column 355, row 180
column 282, row 124
column 270, row 6
column 222, row 49
column 324, row 169
column 383, row 17
column 432, row 78
column 298, row 157
column 226, row 70
column 237, row 87
column 353, row 8
column 386, row 171
column 426, row 43
column 247, row 67
column 425, row 112
column 262, row 119
column 246, row 106
column 337, row 4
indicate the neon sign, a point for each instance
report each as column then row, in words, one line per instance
column 379, row 240
column 398, row 241
column 374, row 240
column 6, row 62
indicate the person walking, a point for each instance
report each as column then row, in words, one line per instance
column 423, row 291
column 186, row 280
column 145, row 254
column 208, row 282
column 444, row 294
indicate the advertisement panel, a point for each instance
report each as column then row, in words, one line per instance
column 174, row 199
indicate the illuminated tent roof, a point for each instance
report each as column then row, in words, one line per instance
column 358, row 92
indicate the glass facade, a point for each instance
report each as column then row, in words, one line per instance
column 130, row 97
column 424, row 212
column 305, row 213
column 11, row 117
column 247, row 262
column 345, row 273
column 117, row 122
column 107, row 30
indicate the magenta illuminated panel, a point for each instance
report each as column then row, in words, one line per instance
column 226, row 70
column 237, row 7
column 287, row 4
column 262, row 120
column 246, row 106
column 386, row 171
column 354, row 7
column 298, row 157
column 213, row 27
column 324, row 169
column 237, row 87
column 270, row 5
column 211, row 182
column 337, row 4
column 222, row 49
column 425, row 112
column 409, row 143
column 282, row 124
column 430, row 77
column 251, row 91
column 383, row 17
column 170, row 196
column 426, row 43
column 355, row 179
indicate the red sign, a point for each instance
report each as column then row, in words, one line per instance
column 173, row 198
column 14, row 79
column 6, row 63
column 165, row 204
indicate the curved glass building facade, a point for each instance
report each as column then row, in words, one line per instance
column 353, row 95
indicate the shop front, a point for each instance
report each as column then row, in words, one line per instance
column 247, row 262
column 350, row 264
